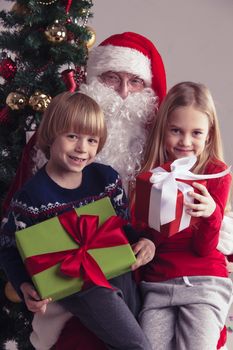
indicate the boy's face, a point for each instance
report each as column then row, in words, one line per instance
column 71, row 152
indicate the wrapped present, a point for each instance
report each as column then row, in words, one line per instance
column 79, row 248
column 160, row 195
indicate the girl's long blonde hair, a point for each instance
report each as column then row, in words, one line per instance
column 183, row 95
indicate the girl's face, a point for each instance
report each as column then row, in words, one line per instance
column 71, row 152
column 186, row 133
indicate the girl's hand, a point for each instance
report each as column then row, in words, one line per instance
column 144, row 250
column 206, row 205
column 32, row 299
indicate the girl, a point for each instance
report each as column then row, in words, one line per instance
column 186, row 289
column 71, row 133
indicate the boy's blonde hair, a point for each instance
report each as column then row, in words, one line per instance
column 71, row 112
column 183, row 95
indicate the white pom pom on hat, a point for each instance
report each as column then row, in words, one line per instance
column 132, row 53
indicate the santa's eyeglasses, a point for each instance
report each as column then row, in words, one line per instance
column 119, row 79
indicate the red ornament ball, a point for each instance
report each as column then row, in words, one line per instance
column 7, row 68
column 4, row 115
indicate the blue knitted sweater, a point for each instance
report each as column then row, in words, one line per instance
column 41, row 198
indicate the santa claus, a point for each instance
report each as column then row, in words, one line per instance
column 125, row 74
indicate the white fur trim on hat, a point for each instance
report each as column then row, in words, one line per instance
column 118, row 59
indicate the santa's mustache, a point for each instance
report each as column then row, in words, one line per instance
column 138, row 106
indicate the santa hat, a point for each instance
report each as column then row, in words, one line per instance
column 132, row 53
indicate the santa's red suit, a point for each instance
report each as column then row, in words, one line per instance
column 128, row 122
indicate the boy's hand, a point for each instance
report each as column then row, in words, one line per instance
column 206, row 205
column 144, row 250
column 32, row 299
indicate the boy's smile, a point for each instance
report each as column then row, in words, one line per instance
column 69, row 154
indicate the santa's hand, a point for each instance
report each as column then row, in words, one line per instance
column 32, row 299
column 206, row 205
column 144, row 251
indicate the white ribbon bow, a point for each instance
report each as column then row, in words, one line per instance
column 162, row 208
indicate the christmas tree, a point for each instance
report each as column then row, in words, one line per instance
column 44, row 48
column 44, row 51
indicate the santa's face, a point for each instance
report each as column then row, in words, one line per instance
column 122, row 82
column 128, row 122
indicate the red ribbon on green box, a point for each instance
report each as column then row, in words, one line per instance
column 60, row 240
column 78, row 262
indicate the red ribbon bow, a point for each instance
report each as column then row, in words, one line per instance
column 78, row 262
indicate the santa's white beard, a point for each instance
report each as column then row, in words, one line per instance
column 128, row 123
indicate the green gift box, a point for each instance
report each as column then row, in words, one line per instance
column 51, row 237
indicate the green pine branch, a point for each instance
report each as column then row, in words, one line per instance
column 39, row 63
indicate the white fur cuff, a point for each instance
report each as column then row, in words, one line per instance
column 118, row 59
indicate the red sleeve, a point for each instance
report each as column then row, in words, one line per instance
column 206, row 234
column 24, row 172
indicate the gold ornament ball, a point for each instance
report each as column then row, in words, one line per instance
column 11, row 293
column 39, row 101
column 83, row 12
column 56, row 32
column 16, row 100
column 90, row 42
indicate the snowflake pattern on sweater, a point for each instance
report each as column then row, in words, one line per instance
column 41, row 198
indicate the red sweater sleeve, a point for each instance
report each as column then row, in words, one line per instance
column 206, row 234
